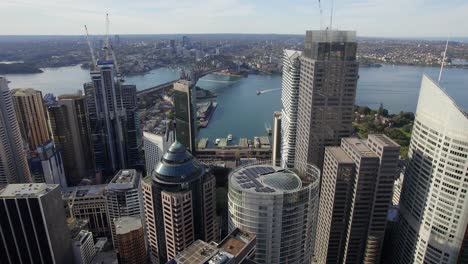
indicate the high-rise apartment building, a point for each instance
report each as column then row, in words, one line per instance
column 32, row 225
column 327, row 90
column 123, row 196
column 289, row 101
column 52, row 164
column 276, row 149
column 280, row 207
column 155, row 146
column 355, row 197
column 70, row 132
column 180, row 204
column 88, row 203
column 13, row 163
column 130, row 238
column 113, row 121
column 32, row 117
column 185, row 114
column 83, row 247
column 434, row 199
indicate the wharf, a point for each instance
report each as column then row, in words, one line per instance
column 202, row 143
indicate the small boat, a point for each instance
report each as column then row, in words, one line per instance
column 258, row 92
column 229, row 137
column 217, row 141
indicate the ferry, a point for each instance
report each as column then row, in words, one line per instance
column 229, row 137
column 217, row 141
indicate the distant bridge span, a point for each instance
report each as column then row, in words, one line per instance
column 169, row 84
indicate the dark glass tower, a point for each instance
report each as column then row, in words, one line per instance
column 327, row 90
column 180, row 204
column 111, row 108
column 185, row 101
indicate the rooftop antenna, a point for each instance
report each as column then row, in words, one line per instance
column 93, row 58
column 321, row 14
column 331, row 14
column 443, row 60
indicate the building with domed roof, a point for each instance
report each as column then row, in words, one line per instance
column 180, row 204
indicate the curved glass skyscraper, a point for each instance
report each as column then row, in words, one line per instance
column 279, row 206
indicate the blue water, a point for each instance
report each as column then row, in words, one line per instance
column 244, row 114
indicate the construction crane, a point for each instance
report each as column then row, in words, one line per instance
column 110, row 49
column 93, row 58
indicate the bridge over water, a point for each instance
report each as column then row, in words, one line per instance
column 169, row 84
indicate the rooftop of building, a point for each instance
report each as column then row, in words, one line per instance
column 198, row 252
column 339, row 155
column 360, row 147
column 236, row 241
column 27, row 190
column 383, row 140
column 24, row 92
column 82, row 236
column 177, row 165
column 124, row 179
column 331, row 35
column 264, row 178
column 126, row 224
column 83, row 191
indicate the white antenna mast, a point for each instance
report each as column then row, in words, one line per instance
column 331, row 15
column 93, row 58
column 443, row 60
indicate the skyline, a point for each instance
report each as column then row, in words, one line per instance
column 376, row 18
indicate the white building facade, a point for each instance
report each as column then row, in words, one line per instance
column 434, row 201
column 155, row 146
column 289, row 100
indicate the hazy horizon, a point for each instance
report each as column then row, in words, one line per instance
column 379, row 18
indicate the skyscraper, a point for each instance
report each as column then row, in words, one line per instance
column 276, row 149
column 327, row 89
column 185, row 101
column 32, row 117
column 434, row 201
column 280, row 207
column 111, row 108
column 32, row 225
column 52, row 164
column 130, row 239
column 70, row 132
column 155, row 146
column 355, row 196
column 123, row 196
column 180, row 204
column 289, row 101
column 13, row 163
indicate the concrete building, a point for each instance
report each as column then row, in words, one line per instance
column 155, row 146
column 83, row 247
column 88, row 203
column 113, row 121
column 289, row 101
column 185, row 114
column 32, row 117
column 70, row 132
column 13, row 163
column 276, row 149
column 355, row 197
column 123, row 196
column 327, row 90
column 52, row 164
column 233, row 249
column 32, row 225
column 180, row 204
column 434, row 200
column 279, row 206
column 130, row 240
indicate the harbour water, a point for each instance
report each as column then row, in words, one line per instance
column 243, row 113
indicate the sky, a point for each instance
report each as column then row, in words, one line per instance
column 377, row 18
